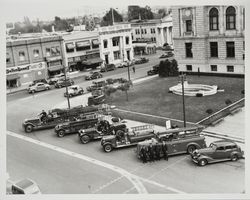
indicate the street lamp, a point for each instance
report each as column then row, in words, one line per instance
column 67, row 94
column 183, row 78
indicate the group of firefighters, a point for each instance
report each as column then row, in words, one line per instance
column 153, row 151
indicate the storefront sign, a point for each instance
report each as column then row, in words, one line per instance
column 25, row 68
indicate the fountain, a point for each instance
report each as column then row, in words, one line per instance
column 194, row 89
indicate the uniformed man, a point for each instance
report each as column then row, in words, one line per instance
column 151, row 152
column 165, row 150
column 43, row 115
column 158, row 151
column 143, row 155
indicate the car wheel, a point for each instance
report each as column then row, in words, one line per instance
column 85, row 139
column 107, row 148
column 59, row 86
column 70, row 95
column 47, row 88
column 29, row 128
column 61, row 133
column 234, row 157
column 202, row 162
column 33, row 91
column 191, row 148
column 81, row 92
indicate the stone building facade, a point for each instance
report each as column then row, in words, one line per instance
column 116, row 43
column 30, row 58
column 209, row 39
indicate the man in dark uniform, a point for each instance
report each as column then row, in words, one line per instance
column 165, row 150
column 158, row 151
column 43, row 115
column 143, row 155
column 151, row 152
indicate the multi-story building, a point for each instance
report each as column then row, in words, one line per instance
column 209, row 39
column 116, row 43
column 159, row 31
column 32, row 58
column 81, row 50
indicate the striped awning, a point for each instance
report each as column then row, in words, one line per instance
column 12, row 77
column 55, row 68
column 70, row 46
column 83, row 43
column 92, row 61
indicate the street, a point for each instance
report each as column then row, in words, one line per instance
column 65, row 166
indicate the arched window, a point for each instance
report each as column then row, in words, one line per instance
column 214, row 19
column 230, row 18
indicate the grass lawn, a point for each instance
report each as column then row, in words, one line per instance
column 152, row 97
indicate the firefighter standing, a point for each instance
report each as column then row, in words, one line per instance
column 158, row 151
column 165, row 150
column 143, row 155
column 151, row 152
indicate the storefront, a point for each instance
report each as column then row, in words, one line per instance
column 24, row 74
column 144, row 48
column 55, row 66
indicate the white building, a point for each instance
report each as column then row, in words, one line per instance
column 158, row 31
column 116, row 43
column 81, row 50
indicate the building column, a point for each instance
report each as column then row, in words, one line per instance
column 168, row 35
column 221, row 20
column 238, row 19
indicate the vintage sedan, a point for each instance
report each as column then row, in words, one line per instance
column 219, row 151
column 93, row 75
column 37, row 87
column 74, row 90
column 63, row 83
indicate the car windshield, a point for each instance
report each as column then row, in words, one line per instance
column 213, row 146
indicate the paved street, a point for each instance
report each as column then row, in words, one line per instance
column 64, row 165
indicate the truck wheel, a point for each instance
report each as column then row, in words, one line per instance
column 191, row 148
column 202, row 162
column 47, row 88
column 70, row 95
column 81, row 92
column 120, row 133
column 107, row 148
column 85, row 139
column 61, row 133
column 28, row 128
column 234, row 157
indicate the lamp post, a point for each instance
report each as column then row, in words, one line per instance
column 67, row 94
column 183, row 78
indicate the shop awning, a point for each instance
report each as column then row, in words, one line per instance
column 55, row 68
column 92, row 61
column 95, row 42
column 54, row 58
column 12, row 77
column 70, row 46
column 83, row 43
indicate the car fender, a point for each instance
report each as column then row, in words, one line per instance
column 194, row 144
column 28, row 123
column 105, row 143
column 205, row 157
column 236, row 153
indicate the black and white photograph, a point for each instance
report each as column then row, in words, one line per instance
column 123, row 100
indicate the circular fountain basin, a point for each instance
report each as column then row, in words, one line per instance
column 194, row 89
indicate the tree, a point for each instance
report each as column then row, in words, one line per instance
column 108, row 19
column 168, row 68
column 136, row 12
column 108, row 90
column 125, row 87
column 162, row 12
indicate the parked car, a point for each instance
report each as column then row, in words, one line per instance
column 57, row 77
column 24, row 186
column 108, row 67
column 153, row 71
column 37, row 87
column 125, row 64
column 38, row 81
column 74, row 90
column 219, row 151
column 94, row 75
column 165, row 55
column 141, row 60
column 63, row 83
column 96, row 86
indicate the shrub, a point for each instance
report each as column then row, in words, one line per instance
column 228, row 101
column 110, row 81
column 209, row 111
column 199, row 94
column 242, row 91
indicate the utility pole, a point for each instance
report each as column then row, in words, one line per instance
column 183, row 77
column 66, row 87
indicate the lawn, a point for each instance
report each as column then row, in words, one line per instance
column 152, row 97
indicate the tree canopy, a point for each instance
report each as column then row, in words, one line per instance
column 107, row 19
column 137, row 12
column 168, row 68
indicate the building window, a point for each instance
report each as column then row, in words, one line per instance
column 105, row 43
column 230, row 68
column 230, row 50
column 55, row 51
column 21, row 56
column 132, row 36
column 82, row 45
column 7, row 58
column 36, row 53
column 189, row 53
column 145, row 31
column 213, row 49
column 95, row 43
column 189, row 67
column 127, row 40
column 214, row 68
column 115, row 41
column 188, row 25
column 152, row 30
column 117, row 55
column 47, row 51
column 70, row 47
column 214, row 19
column 230, row 18
column 243, row 55
column 142, row 31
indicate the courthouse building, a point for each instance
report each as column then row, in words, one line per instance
column 116, row 43
column 209, row 39
column 32, row 57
